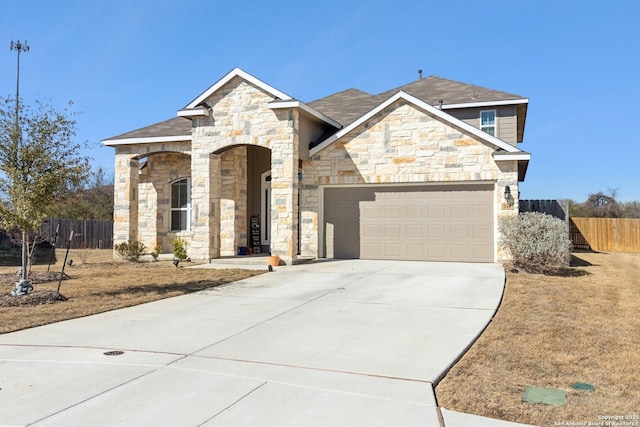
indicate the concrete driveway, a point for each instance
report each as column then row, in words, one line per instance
column 340, row 343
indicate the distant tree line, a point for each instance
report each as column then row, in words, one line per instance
column 604, row 205
column 91, row 199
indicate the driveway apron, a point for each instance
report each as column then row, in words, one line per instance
column 333, row 343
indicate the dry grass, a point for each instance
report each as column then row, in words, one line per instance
column 101, row 284
column 552, row 331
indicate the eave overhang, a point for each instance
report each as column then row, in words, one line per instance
column 294, row 103
column 149, row 140
column 189, row 113
column 486, row 104
column 522, row 158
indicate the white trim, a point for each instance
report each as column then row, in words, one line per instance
column 486, row 103
column 411, row 184
column 428, row 108
column 149, row 140
column 322, row 250
column 230, row 75
column 495, row 122
column 187, row 209
column 195, row 112
column 496, row 234
column 294, row 103
column 511, row 156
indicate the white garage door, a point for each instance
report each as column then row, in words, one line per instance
column 447, row 223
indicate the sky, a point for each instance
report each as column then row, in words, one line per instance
column 127, row 64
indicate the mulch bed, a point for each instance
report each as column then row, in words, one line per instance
column 36, row 297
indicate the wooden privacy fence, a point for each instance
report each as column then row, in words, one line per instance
column 556, row 208
column 87, row 234
column 606, row 234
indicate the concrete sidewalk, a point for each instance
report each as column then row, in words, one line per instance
column 341, row 343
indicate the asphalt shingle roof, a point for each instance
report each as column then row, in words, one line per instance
column 434, row 89
column 177, row 126
column 347, row 106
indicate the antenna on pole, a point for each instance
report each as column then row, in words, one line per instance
column 19, row 47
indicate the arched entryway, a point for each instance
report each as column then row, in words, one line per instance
column 241, row 207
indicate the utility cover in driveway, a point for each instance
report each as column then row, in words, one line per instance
column 430, row 223
column 547, row 396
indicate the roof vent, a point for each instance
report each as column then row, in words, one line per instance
column 419, row 74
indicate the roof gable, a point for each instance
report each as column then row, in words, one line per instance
column 482, row 136
column 236, row 72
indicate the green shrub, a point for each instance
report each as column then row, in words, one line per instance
column 179, row 248
column 157, row 250
column 130, row 250
column 536, row 241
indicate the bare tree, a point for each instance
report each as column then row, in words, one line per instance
column 601, row 205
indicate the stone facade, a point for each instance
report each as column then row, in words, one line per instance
column 233, row 200
column 132, row 188
column 154, row 205
column 239, row 116
column 402, row 144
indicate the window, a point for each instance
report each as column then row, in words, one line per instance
column 180, row 204
column 488, row 122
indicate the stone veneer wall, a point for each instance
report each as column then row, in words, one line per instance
column 127, row 188
column 154, row 218
column 240, row 115
column 284, row 188
column 233, row 202
column 400, row 145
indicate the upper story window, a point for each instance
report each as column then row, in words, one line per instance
column 488, row 122
column 180, row 204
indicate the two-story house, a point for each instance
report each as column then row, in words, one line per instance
column 420, row 172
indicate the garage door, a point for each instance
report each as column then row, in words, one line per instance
column 448, row 223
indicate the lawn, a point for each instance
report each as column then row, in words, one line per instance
column 551, row 332
column 97, row 283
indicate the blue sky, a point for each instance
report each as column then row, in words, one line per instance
column 128, row 64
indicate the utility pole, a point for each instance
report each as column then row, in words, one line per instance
column 24, row 285
column 19, row 47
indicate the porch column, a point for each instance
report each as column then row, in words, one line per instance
column 233, row 203
column 205, row 206
column 125, row 209
column 284, row 188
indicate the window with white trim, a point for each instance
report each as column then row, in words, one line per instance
column 181, row 204
column 488, row 122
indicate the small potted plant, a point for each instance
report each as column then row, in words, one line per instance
column 274, row 260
